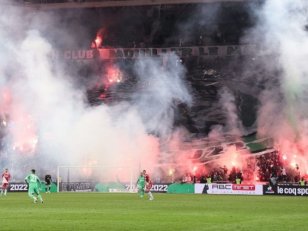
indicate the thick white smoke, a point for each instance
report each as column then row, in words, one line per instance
column 64, row 129
column 283, row 37
column 162, row 88
column 233, row 123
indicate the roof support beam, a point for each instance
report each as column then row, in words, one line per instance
column 119, row 3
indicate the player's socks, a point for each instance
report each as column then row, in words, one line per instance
column 5, row 191
column 141, row 193
column 40, row 197
column 151, row 196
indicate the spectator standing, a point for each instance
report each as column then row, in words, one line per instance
column 302, row 182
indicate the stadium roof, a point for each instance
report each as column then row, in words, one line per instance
column 45, row 5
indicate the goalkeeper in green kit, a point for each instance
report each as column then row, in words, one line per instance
column 34, row 185
column 141, row 184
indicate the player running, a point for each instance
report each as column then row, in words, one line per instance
column 141, row 184
column 6, row 176
column 48, row 181
column 148, row 185
column 34, row 184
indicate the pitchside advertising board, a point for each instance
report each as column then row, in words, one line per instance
column 285, row 190
column 76, row 186
column 89, row 187
column 108, row 187
column 236, row 189
column 23, row 187
column 18, row 187
column 156, row 188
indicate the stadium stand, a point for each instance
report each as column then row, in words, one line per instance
column 158, row 24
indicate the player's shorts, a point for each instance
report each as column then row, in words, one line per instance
column 33, row 190
column 148, row 186
column 140, row 187
column 5, row 185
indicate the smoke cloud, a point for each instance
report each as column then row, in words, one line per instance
column 49, row 123
column 233, row 124
column 281, row 34
column 46, row 120
column 276, row 75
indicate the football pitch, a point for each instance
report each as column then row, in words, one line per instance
column 104, row 211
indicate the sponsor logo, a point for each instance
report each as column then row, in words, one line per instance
column 159, row 188
column 18, row 187
column 296, row 191
column 243, row 187
column 302, row 191
column 221, row 186
column 220, row 189
column 205, row 189
column 76, row 186
column 286, row 190
column 162, row 188
column 239, row 189
column 269, row 190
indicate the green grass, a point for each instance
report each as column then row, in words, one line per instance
column 99, row 211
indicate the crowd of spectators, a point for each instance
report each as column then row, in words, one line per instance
column 268, row 165
column 267, row 168
column 215, row 175
column 273, row 169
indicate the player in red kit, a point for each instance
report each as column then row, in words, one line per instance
column 6, row 176
column 148, row 185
